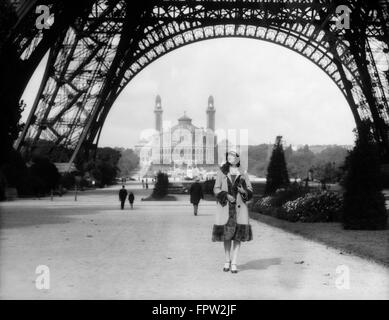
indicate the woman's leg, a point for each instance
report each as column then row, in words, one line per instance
column 235, row 253
column 227, row 250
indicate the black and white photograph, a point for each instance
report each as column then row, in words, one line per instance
column 194, row 150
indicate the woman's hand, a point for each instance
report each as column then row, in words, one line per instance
column 241, row 190
column 230, row 198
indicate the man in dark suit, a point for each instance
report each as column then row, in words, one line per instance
column 196, row 193
column 122, row 196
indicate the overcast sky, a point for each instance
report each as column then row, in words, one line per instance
column 258, row 86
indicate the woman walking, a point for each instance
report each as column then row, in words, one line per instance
column 232, row 190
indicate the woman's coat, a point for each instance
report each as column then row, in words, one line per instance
column 242, row 212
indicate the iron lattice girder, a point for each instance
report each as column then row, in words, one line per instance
column 105, row 50
column 77, row 67
column 25, row 45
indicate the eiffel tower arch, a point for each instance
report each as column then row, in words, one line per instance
column 97, row 47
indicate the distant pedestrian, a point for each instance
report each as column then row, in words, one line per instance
column 122, row 196
column 131, row 199
column 147, row 183
column 196, row 193
column 143, row 183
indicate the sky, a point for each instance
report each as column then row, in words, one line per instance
column 258, row 86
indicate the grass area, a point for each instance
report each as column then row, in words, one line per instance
column 372, row 245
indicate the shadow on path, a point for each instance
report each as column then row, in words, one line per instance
column 260, row 264
column 14, row 219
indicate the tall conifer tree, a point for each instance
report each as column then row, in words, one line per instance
column 277, row 173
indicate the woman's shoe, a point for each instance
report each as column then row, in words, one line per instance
column 233, row 268
column 227, row 266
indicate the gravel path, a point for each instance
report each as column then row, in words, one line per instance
column 160, row 250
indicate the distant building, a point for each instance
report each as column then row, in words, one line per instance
column 183, row 150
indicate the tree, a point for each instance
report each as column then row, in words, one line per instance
column 128, row 162
column 364, row 202
column 16, row 173
column 10, row 128
column 300, row 161
column 10, row 112
column 277, row 173
column 104, row 172
column 7, row 19
column 68, row 180
column 326, row 173
column 335, row 154
column 109, row 155
column 104, row 168
column 161, row 186
column 328, row 164
column 49, row 149
column 44, row 174
column 258, row 159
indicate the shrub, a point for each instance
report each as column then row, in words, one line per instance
column 264, row 206
column 38, row 187
column 265, row 202
column 321, row 207
column 68, row 180
column 290, row 193
column 208, row 186
column 281, row 196
column 16, row 173
column 84, row 183
column 44, row 175
column 161, row 186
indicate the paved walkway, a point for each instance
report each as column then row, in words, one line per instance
column 161, row 251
